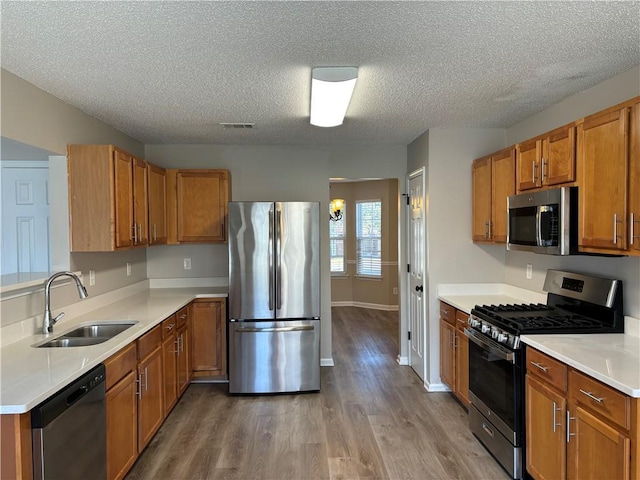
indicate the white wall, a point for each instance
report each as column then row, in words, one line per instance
column 451, row 255
column 610, row 92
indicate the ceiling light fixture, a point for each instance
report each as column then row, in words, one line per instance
column 331, row 90
column 336, row 208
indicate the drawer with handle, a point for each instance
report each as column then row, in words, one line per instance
column 182, row 316
column 447, row 313
column 600, row 398
column 546, row 368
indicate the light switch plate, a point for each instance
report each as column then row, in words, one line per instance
column 187, row 264
column 128, row 269
column 92, row 278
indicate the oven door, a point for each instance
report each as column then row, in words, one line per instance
column 496, row 385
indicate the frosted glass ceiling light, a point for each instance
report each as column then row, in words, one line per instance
column 331, row 90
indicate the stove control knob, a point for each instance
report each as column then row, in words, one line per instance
column 486, row 328
column 502, row 338
column 473, row 322
column 494, row 333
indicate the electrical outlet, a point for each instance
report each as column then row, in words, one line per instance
column 92, row 278
column 529, row 271
column 187, row 264
column 128, row 269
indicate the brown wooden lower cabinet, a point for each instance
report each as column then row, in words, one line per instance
column 209, row 349
column 122, row 426
column 122, row 411
column 578, row 427
column 169, row 363
column 454, row 352
column 151, row 388
column 15, row 446
column 183, row 363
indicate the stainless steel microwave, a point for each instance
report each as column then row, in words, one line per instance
column 544, row 222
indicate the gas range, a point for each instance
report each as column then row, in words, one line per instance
column 570, row 308
column 576, row 303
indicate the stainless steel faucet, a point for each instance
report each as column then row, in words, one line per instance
column 48, row 322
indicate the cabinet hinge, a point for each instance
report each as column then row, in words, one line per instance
column 409, row 335
column 408, row 200
column 408, row 268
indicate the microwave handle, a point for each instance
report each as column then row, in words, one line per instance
column 539, row 226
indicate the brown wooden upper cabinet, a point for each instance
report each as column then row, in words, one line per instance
column 493, row 180
column 547, row 160
column 107, row 199
column 603, row 176
column 634, row 181
column 157, row 205
column 197, row 205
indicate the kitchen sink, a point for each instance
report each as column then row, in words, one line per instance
column 86, row 335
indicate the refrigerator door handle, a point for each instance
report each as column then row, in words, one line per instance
column 278, row 258
column 270, row 249
column 274, row 329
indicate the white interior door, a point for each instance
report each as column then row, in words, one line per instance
column 25, row 217
column 416, row 236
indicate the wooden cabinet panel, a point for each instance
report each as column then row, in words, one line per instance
column 602, row 174
column 481, row 192
column 462, row 359
column 600, row 399
column 545, row 411
column 502, row 185
column 122, row 164
column 169, row 365
column 547, row 369
column 528, row 156
column 16, row 460
column 558, row 163
column 209, row 337
column 157, row 179
column 447, row 354
column 634, row 181
column 122, row 427
column 148, row 342
column 183, row 359
column 202, row 197
column 596, row 450
column 120, row 364
column 140, row 202
column 150, row 401
column 448, row 313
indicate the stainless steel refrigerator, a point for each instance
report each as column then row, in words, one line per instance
column 274, row 297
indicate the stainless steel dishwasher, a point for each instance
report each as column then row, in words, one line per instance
column 69, row 431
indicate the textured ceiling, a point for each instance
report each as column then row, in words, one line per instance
column 169, row 72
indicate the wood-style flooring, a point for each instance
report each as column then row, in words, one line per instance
column 372, row 419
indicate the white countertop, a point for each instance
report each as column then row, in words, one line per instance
column 30, row 375
column 614, row 359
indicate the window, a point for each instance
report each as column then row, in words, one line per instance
column 369, row 238
column 337, row 241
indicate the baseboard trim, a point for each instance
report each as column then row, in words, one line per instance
column 327, row 362
column 402, row 360
column 372, row 306
column 436, row 387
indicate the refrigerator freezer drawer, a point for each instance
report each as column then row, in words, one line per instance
column 274, row 357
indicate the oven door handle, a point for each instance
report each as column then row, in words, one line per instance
column 490, row 346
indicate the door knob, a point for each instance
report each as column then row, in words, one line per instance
column 419, row 288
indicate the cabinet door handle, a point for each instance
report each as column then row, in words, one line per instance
column 534, row 167
column 555, row 409
column 538, row 365
column 140, row 234
column 632, row 223
column 542, row 170
column 615, row 228
column 135, row 234
column 569, row 418
column 139, row 386
column 592, row 396
column 146, row 380
column 489, row 222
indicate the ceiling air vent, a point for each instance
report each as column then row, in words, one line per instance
column 237, row 125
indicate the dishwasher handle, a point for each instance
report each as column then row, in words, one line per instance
column 56, row 404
